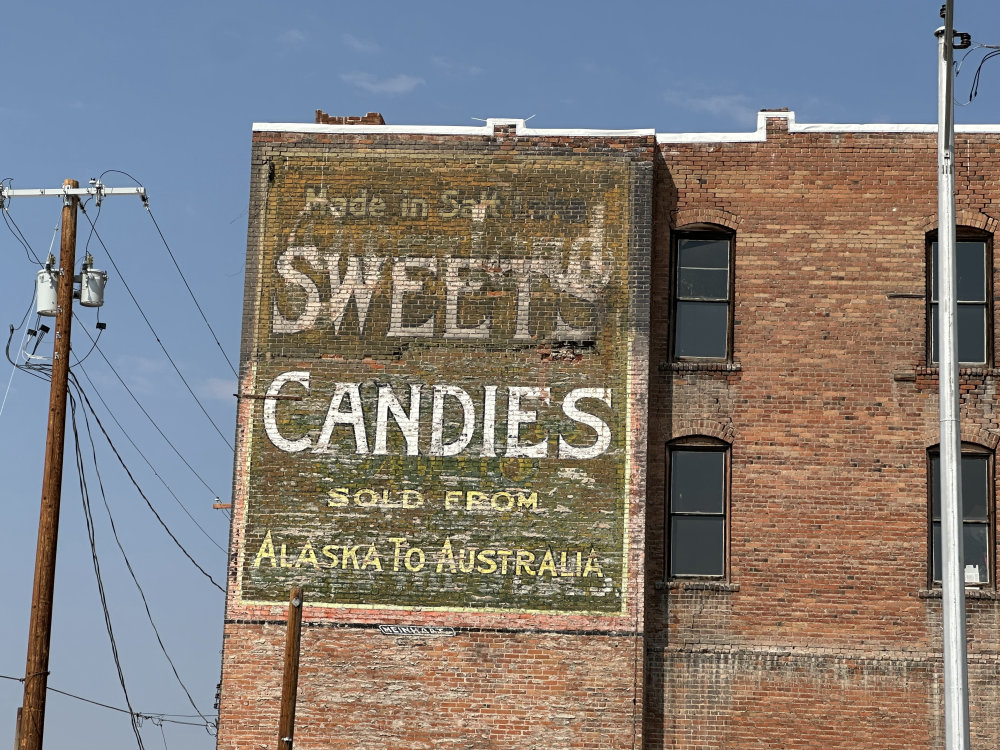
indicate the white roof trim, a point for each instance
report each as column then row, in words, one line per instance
column 487, row 129
column 763, row 116
column 757, row 136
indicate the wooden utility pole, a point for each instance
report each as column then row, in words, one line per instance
column 290, row 680
column 31, row 716
column 36, row 671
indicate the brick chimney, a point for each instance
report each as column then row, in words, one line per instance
column 372, row 118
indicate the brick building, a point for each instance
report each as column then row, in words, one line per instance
column 606, row 439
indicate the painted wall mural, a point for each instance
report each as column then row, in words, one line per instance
column 439, row 363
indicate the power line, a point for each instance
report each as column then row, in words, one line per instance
column 163, row 734
column 974, row 89
column 128, row 564
column 23, row 336
column 188, row 286
column 147, row 415
column 148, row 463
column 18, row 234
column 40, row 371
column 168, row 718
column 142, row 494
column 145, row 202
column 91, row 538
column 155, row 334
column 138, row 714
column 45, row 369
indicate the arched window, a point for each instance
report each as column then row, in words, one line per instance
column 697, row 507
column 974, row 294
column 702, row 292
column 977, row 514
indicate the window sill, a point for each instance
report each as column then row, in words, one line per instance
column 698, row 366
column 693, row 585
column 970, row 593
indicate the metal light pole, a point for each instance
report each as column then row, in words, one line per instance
column 956, row 688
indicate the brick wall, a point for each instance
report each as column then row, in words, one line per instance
column 480, row 689
column 443, row 424
column 825, row 631
column 371, row 118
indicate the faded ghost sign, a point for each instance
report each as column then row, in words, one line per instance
column 439, row 346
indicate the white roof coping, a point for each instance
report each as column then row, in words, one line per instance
column 485, row 129
column 757, row 136
column 760, row 134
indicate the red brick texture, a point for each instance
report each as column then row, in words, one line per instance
column 825, row 631
column 507, row 288
column 479, row 690
column 371, row 118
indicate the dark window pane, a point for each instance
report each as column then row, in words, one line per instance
column 934, row 332
column 703, row 254
column 972, row 333
column 702, row 329
column 975, row 548
column 972, row 283
column 975, row 487
column 970, row 262
column 936, row 541
column 975, row 476
column 970, row 265
column 706, row 283
column 934, row 272
column 697, row 481
column 696, row 546
column 975, row 543
column 936, row 488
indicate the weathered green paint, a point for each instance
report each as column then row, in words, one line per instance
column 538, row 297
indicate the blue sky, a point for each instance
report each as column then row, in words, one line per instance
column 168, row 93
